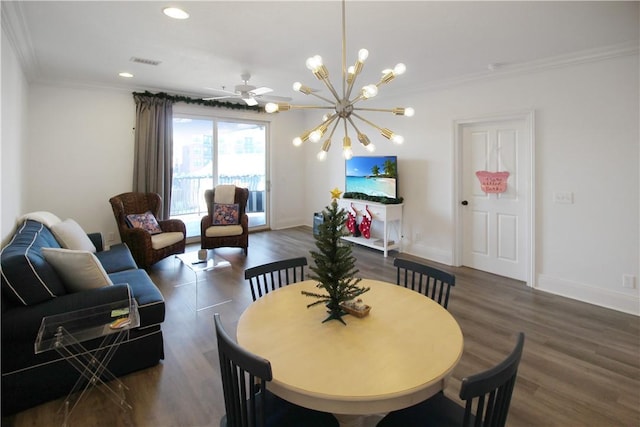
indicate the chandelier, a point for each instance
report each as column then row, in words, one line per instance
column 343, row 107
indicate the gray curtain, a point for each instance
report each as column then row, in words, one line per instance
column 153, row 157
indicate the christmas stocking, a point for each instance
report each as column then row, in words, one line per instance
column 350, row 223
column 365, row 225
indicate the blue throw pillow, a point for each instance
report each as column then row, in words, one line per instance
column 27, row 278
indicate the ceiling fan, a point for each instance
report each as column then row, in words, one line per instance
column 247, row 93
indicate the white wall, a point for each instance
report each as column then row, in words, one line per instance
column 13, row 92
column 80, row 153
column 587, row 142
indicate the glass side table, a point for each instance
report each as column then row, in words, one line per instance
column 65, row 333
column 196, row 264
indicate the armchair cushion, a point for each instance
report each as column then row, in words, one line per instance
column 71, row 236
column 146, row 221
column 225, row 193
column 226, row 213
column 223, row 231
column 79, row 270
column 162, row 240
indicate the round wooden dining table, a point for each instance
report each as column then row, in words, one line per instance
column 396, row 356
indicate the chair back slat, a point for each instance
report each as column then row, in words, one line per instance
column 244, row 376
column 269, row 277
column 429, row 281
column 491, row 391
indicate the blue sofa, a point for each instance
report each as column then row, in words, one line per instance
column 32, row 289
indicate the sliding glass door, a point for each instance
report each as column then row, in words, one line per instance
column 210, row 151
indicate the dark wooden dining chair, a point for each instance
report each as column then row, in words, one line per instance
column 487, row 397
column 247, row 401
column 434, row 283
column 269, row 277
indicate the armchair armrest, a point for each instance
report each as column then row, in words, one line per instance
column 138, row 240
column 173, row 225
column 22, row 323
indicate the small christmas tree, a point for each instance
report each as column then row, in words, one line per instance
column 334, row 264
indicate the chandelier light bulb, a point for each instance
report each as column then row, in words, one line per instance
column 409, row 112
column 271, row 107
column 297, row 141
column 363, row 54
column 314, row 62
column 399, row 69
column 370, row 148
column 369, row 91
column 397, row 139
column 315, row 136
column 346, row 148
column 322, row 155
column 297, row 86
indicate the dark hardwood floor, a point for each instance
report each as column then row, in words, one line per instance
column 580, row 367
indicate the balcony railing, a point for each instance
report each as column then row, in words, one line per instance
column 187, row 195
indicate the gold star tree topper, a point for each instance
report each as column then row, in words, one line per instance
column 335, row 193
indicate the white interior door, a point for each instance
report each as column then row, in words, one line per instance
column 495, row 226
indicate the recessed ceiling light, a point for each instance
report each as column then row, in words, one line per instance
column 175, row 13
column 127, row 75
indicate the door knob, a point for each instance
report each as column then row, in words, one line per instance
column 464, row 203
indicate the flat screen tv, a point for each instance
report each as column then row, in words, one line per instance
column 375, row 176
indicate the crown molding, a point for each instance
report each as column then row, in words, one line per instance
column 14, row 27
column 560, row 61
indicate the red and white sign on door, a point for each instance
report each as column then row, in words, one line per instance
column 493, row 182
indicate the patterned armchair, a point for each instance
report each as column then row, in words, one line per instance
column 147, row 247
column 214, row 233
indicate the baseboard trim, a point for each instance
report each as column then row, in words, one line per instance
column 586, row 293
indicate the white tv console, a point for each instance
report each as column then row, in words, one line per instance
column 386, row 223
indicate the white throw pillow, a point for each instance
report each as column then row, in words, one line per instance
column 46, row 218
column 79, row 270
column 71, row 236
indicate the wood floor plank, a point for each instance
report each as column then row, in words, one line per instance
column 580, row 366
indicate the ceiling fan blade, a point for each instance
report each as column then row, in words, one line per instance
column 261, row 91
column 213, row 98
column 277, row 98
column 250, row 101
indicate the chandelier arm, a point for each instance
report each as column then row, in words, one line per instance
column 329, row 86
column 366, row 121
column 357, row 99
column 335, row 125
column 353, row 124
column 380, row 110
column 322, row 97
column 317, row 107
column 344, row 50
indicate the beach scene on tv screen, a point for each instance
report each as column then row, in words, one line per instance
column 372, row 175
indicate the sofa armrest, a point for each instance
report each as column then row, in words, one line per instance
column 97, row 240
column 22, row 323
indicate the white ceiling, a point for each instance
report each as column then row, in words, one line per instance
column 90, row 42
